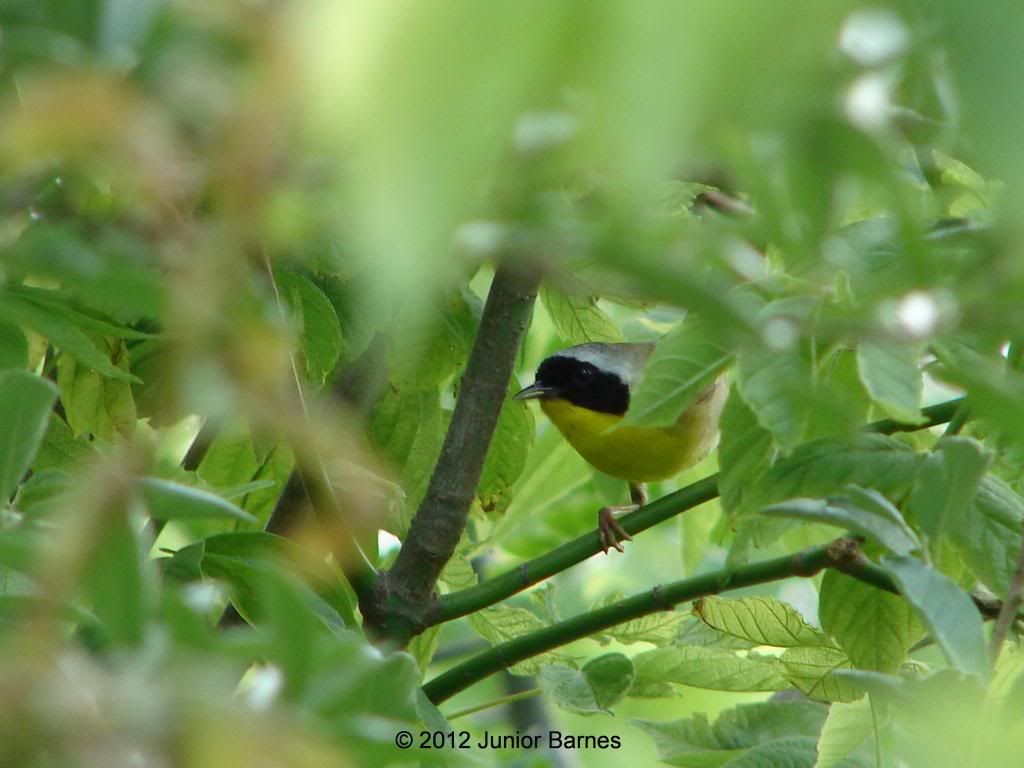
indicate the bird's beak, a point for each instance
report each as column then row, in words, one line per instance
column 533, row 392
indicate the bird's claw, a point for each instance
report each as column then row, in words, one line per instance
column 609, row 531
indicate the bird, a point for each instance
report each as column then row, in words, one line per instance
column 585, row 391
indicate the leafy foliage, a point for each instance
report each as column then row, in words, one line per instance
column 244, row 252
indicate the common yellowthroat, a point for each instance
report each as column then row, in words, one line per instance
column 585, row 391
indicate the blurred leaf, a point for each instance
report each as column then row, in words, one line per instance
column 95, row 404
column 13, row 346
column 761, row 620
column 659, row 628
column 987, row 535
column 711, row 668
column 876, row 629
column 745, row 451
column 792, row 752
column 167, row 500
column 119, row 585
column 599, row 685
column 25, row 403
column 847, row 727
column 322, row 342
column 945, row 488
column 578, row 319
column 62, row 332
column 685, row 362
column 946, row 610
column 424, row 352
column 892, row 376
column 862, row 510
column 810, row 669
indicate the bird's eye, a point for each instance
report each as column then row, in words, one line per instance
column 582, row 375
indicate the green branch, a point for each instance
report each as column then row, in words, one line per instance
column 527, row 574
column 842, row 554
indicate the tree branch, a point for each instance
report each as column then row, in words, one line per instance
column 404, row 597
column 470, row 600
column 843, row 555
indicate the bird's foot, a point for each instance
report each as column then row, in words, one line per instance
column 609, row 531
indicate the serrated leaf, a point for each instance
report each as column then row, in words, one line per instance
column 694, row 743
column 945, row 488
column 988, row 535
column 847, row 727
column 658, row 628
column 710, row 668
column 745, row 451
column 876, row 629
column 322, row 342
column 25, row 404
column 695, row 632
column 892, row 377
column 167, row 500
column 861, row 510
column 500, row 623
column 946, row 610
column 789, row 752
column 578, row 319
column 685, row 362
column 810, row 670
column 760, row 620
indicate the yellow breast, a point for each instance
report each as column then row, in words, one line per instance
column 639, row 454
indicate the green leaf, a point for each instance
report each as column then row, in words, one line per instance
column 847, row 727
column 946, row 610
column 876, row 629
column 13, row 346
column 62, row 332
column 988, row 535
column 427, row 356
column 119, row 585
column 789, row 752
column 685, row 362
column 822, row 467
column 892, row 377
column 658, row 628
column 500, row 623
column 25, row 404
column 230, row 460
column 776, row 386
column 694, row 743
column 745, row 451
column 710, row 668
column 599, row 685
column 167, row 500
column 810, row 669
column 760, row 620
column 97, row 404
column 577, row 319
column 506, row 457
column 322, row 342
column 61, row 449
column 423, row 647
column 945, row 488
column 864, row 511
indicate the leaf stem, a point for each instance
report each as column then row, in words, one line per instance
column 512, row 697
